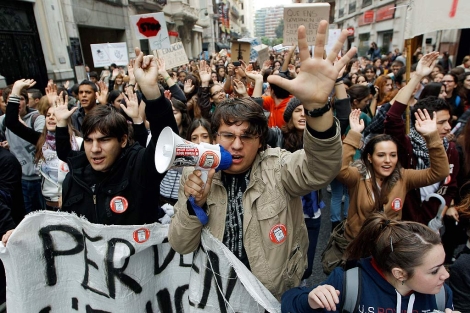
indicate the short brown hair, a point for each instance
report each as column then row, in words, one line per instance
column 237, row 111
column 107, row 121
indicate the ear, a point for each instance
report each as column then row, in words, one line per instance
column 399, row 274
column 369, row 157
column 124, row 141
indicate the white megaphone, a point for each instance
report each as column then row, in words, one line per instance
column 173, row 151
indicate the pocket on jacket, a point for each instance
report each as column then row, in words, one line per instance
column 272, row 224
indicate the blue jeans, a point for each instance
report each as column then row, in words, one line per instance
column 313, row 229
column 32, row 194
column 337, row 192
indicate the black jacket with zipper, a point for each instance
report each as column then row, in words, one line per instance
column 133, row 176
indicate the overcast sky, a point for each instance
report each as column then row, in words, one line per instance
column 269, row 3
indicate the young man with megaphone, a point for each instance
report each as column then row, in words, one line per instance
column 254, row 206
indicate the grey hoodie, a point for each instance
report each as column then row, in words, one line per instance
column 23, row 150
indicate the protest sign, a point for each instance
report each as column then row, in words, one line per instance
column 333, row 36
column 152, row 27
column 58, row 262
column 422, row 16
column 104, row 54
column 241, row 50
column 307, row 14
column 173, row 56
column 263, row 53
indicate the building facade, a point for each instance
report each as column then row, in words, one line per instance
column 267, row 20
column 50, row 39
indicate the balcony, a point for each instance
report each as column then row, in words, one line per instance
column 352, row 7
column 151, row 5
column 340, row 13
column 180, row 10
column 234, row 11
column 366, row 3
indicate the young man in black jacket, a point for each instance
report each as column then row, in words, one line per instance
column 113, row 181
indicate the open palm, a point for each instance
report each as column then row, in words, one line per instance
column 424, row 123
column 317, row 76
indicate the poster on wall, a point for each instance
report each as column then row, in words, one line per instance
column 104, row 54
column 307, row 14
column 152, row 27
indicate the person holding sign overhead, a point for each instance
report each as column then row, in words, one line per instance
column 254, row 206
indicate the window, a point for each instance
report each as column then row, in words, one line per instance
column 366, row 3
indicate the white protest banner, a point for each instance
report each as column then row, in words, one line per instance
column 333, row 36
column 104, row 54
column 173, row 56
column 152, row 27
column 307, row 14
column 424, row 16
column 58, row 262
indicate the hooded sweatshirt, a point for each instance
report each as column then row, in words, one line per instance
column 21, row 149
column 377, row 295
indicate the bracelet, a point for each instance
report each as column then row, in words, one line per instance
column 166, row 79
column 131, row 85
column 340, row 79
column 339, row 83
column 318, row 112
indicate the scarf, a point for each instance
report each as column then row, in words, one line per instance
column 420, row 150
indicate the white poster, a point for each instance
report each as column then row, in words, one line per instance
column 152, row 27
column 173, row 56
column 58, row 262
column 104, row 54
column 309, row 15
column 333, row 36
column 424, row 16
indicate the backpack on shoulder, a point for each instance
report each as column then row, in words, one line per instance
column 352, row 289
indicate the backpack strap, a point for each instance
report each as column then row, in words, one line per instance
column 441, row 299
column 33, row 119
column 351, row 290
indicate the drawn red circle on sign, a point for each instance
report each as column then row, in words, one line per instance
column 278, row 233
column 209, row 159
column 148, row 26
column 396, row 204
column 141, row 235
column 118, row 204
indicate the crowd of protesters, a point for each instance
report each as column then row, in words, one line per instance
column 294, row 124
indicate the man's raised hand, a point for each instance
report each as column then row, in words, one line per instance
column 317, row 76
column 146, row 74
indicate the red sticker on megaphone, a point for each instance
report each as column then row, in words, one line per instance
column 209, row 159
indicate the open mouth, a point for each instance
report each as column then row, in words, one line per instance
column 98, row 160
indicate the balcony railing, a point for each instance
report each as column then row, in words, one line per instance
column 352, row 7
column 366, row 3
column 154, row 5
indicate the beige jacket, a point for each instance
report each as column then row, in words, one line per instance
column 361, row 201
column 277, row 180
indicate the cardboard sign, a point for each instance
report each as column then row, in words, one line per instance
column 104, row 54
column 152, row 27
column 425, row 16
column 307, row 14
column 263, row 53
column 241, row 51
column 173, row 56
column 58, row 262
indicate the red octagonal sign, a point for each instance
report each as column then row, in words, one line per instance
column 148, row 26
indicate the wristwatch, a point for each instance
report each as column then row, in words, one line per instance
column 318, row 112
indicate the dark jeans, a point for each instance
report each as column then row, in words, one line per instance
column 313, row 229
column 32, row 194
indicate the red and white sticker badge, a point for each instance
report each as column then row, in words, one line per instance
column 141, row 235
column 119, row 204
column 278, row 233
column 396, row 204
column 209, row 159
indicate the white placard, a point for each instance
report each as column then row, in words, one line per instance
column 104, row 54
column 152, row 27
column 424, row 16
column 57, row 262
column 307, row 14
column 263, row 53
column 173, row 56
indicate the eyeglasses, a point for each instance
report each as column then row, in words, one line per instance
column 217, row 92
column 229, row 137
column 447, row 81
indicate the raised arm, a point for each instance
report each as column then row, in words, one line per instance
column 12, row 120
